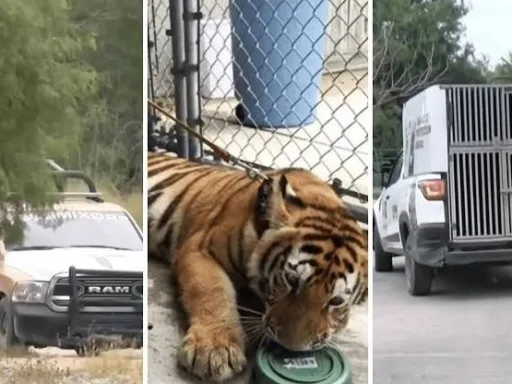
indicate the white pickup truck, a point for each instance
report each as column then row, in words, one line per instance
column 75, row 280
column 447, row 198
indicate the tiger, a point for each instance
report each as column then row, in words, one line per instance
column 289, row 238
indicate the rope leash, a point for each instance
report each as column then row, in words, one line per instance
column 360, row 213
column 252, row 172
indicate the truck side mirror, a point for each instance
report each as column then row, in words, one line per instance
column 385, row 171
column 385, row 179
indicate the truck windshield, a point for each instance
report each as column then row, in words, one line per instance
column 65, row 229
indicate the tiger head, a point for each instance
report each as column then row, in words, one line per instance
column 310, row 265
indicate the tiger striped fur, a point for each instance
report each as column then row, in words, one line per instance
column 290, row 239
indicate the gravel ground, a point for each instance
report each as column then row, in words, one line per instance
column 165, row 337
column 459, row 334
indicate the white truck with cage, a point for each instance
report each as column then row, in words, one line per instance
column 447, row 199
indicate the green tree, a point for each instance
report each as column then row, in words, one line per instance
column 112, row 142
column 44, row 87
column 417, row 43
column 502, row 73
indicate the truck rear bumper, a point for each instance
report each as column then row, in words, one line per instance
column 488, row 256
column 431, row 247
column 38, row 325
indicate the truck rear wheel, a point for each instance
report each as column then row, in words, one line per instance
column 418, row 276
column 383, row 259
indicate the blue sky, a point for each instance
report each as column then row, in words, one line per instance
column 489, row 27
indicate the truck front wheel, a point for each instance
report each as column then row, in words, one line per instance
column 7, row 337
column 418, row 276
column 383, row 259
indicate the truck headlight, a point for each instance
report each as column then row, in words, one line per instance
column 30, row 292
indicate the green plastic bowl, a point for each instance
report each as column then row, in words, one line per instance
column 275, row 365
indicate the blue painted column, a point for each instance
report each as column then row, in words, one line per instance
column 278, row 52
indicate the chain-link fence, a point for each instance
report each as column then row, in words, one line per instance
column 277, row 83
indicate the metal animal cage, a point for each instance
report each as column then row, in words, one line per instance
column 480, row 162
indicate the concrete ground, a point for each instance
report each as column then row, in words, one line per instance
column 165, row 337
column 459, row 334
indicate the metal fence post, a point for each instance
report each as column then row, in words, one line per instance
column 192, row 16
column 178, row 72
column 151, row 91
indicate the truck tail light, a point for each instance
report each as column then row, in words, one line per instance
column 433, row 189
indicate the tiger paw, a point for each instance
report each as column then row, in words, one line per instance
column 212, row 354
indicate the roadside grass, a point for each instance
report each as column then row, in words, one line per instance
column 108, row 369
column 14, row 352
column 120, row 366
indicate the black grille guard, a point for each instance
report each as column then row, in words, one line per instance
column 77, row 303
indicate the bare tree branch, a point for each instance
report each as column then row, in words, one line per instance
column 392, row 77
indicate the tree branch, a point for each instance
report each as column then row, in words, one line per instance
column 395, row 78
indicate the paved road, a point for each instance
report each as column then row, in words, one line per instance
column 461, row 334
